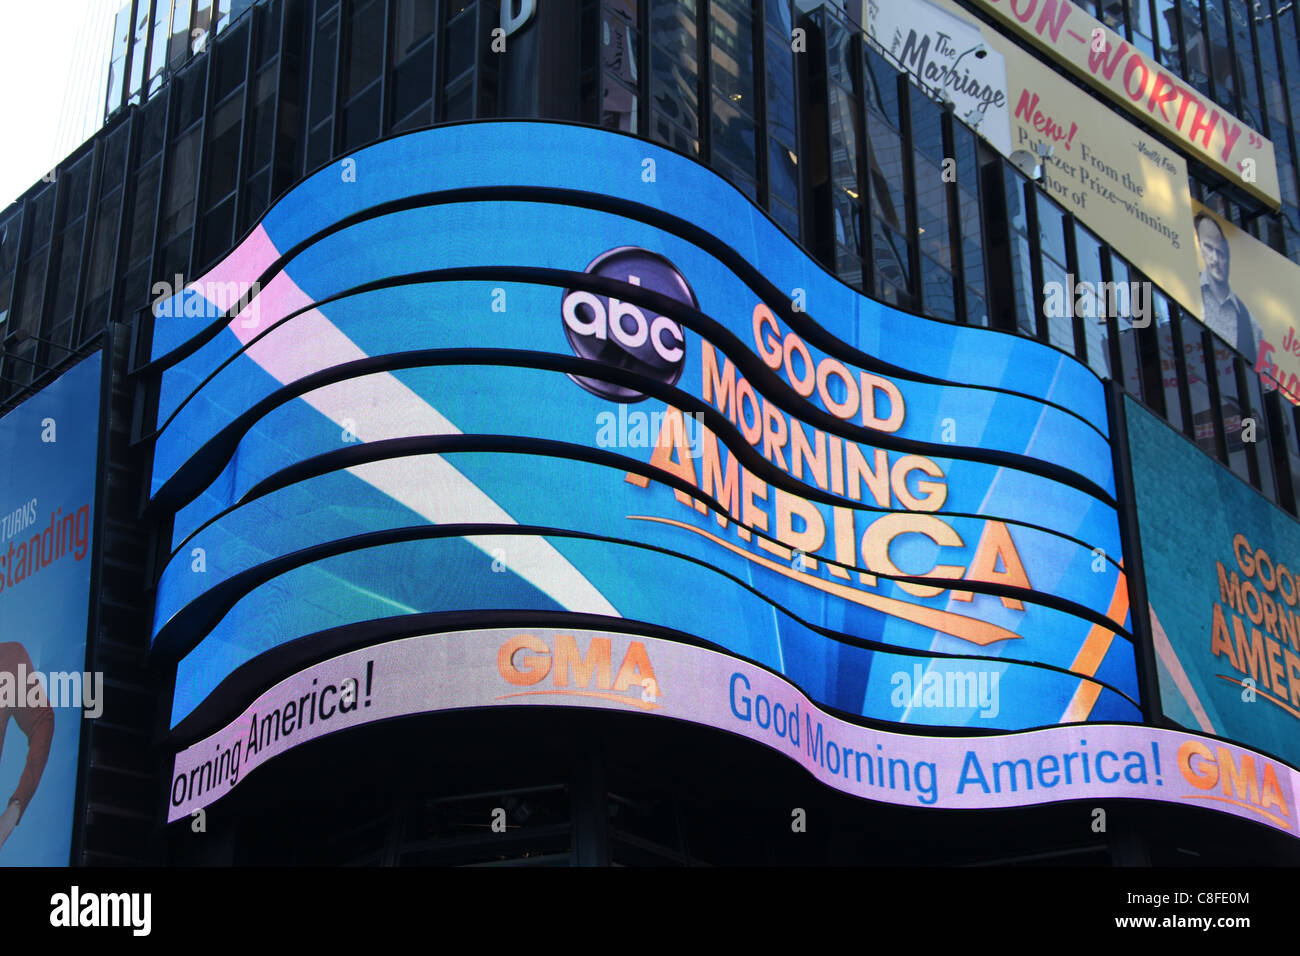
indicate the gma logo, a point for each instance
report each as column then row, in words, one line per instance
column 526, row 660
column 1243, row 787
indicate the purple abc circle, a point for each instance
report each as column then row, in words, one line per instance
column 624, row 335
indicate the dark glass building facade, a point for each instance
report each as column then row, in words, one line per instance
column 216, row 108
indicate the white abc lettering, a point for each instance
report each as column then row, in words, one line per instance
column 662, row 332
column 594, row 326
column 619, row 310
column 658, row 327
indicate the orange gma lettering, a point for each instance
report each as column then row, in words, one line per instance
column 1254, row 788
column 526, row 660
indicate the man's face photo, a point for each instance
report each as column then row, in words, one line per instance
column 1214, row 250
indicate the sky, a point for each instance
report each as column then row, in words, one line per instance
column 53, row 72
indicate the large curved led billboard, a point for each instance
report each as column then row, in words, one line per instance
column 558, row 373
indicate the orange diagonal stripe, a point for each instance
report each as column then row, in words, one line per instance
column 1092, row 653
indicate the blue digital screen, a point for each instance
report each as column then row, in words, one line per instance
column 1221, row 591
column 49, row 448
column 437, row 378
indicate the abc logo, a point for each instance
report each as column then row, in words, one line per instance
column 624, row 335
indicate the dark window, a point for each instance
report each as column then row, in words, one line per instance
column 885, row 173
column 1230, row 408
column 731, row 43
column 31, row 269
column 783, row 173
column 142, row 214
column 135, row 292
column 413, row 82
column 1095, row 312
column 9, row 231
column 460, row 101
column 674, row 67
column 113, row 167
column 174, row 256
column 361, row 119
column 257, row 196
column 268, row 34
column 618, row 105
column 1244, row 57
column 881, row 87
column 324, row 52
column 968, row 208
column 100, row 273
column 413, row 23
column 932, row 211
column 780, row 92
column 1263, row 445
column 1290, row 442
column 189, row 96
column 232, row 59
column 215, row 237
column 619, row 74
column 937, row 290
column 779, row 17
column 1222, row 67
column 787, row 217
column 1197, row 50
column 178, row 201
column 460, row 45
column 262, row 140
column 734, row 136
column 1022, row 276
column 366, row 46
column 222, row 171
column 1204, row 423
column 66, row 254
column 76, row 188
column 672, row 90
column 1166, row 35
column 151, row 134
column 1167, row 353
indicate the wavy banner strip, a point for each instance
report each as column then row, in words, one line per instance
column 612, row 671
